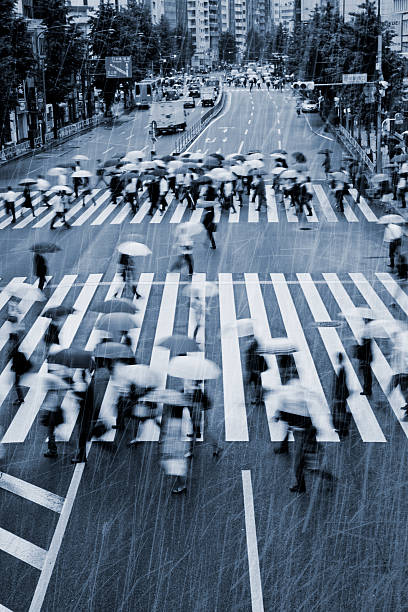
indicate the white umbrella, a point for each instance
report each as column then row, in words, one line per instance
column 386, row 219
column 243, row 327
column 175, row 165
column 289, row 174
column 131, row 167
column 167, row 396
column 59, row 188
column 146, row 165
column 192, row 229
column 134, row 156
column 278, row 346
column 140, row 375
column 193, row 367
column 207, row 289
column 56, row 171
column 50, row 381
column 159, row 163
column 239, row 170
column 220, row 174
column 81, row 174
column 196, row 156
column 254, row 156
column 80, row 157
column 278, row 170
column 254, row 164
column 383, row 328
column 134, row 249
column 28, row 292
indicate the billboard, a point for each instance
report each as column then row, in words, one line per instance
column 119, row 67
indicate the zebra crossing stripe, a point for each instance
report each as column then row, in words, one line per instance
column 394, row 290
column 91, row 210
column 20, row 211
column 24, row 418
column 5, row 294
column 370, row 296
column 325, row 204
column 121, row 216
column 348, row 213
column 178, row 213
column 290, row 212
column 141, row 213
column 235, row 418
column 380, row 367
column 363, row 206
column 253, row 214
column 159, row 215
column 303, row 358
column 217, row 214
column 44, row 220
column 364, row 417
column 196, row 215
column 272, row 209
column 77, row 207
column 233, row 217
column 22, row 549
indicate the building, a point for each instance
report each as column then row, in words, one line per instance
column 198, row 23
column 283, row 11
column 259, row 14
column 81, row 10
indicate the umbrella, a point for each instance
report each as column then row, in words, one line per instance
column 243, row 327
column 404, row 133
column 278, row 170
column 113, row 350
column 203, row 180
column 50, row 381
column 73, row 358
column 134, row 249
column 44, row 247
column 211, row 162
column 167, row 158
column 386, row 219
column 196, row 157
column 56, row 171
column 379, row 178
column 192, row 228
column 339, row 176
column 117, row 322
column 220, row 174
column 115, row 305
column 185, row 155
column 390, row 165
column 278, row 346
column 193, row 367
column 360, row 312
column 179, row 344
column 140, row 375
column 383, row 328
column 257, row 171
column 217, row 155
column 236, row 157
column 147, row 165
column 129, row 168
column 252, row 156
column 81, row 174
column 28, row 292
column 59, row 188
column 239, row 170
column 277, row 156
column 280, row 151
column 110, row 163
column 175, row 165
column 207, row 289
column 159, row 163
column 288, row 174
column 27, row 181
column 134, row 155
column 400, row 158
column 80, row 157
column 299, row 157
column 167, row 396
column 254, row 164
column 58, row 311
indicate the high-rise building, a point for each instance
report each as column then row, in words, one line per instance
column 283, row 11
column 258, row 15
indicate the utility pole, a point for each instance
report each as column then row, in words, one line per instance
column 380, row 78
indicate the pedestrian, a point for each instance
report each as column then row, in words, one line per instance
column 364, row 355
column 210, row 226
column 260, row 192
column 53, row 416
column 361, row 184
column 184, row 246
column 255, row 364
column 153, row 190
column 14, row 314
column 20, row 365
column 306, row 195
column 393, row 235
column 228, row 195
column 327, row 163
column 132, row 193
column 9, row 199
column 86, row 191
column 340, row 393
column 126, row 268
column 77, row 182
column 51, row 338
column 199, row 404
column 399, row 366
column 402, row 190
column 115, row 188
column 100, row 174
column 340, row 190
column 58, row 206
column 239, row 190
column 293, row 191
column 164, row 190
column 43, row 186
column 40, row 269
column 27, row 203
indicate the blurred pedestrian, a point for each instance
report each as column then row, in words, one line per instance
column 255, row 364
column 399, row 366
column 115, row 188
column 260, row 192
column 9, row 199
column 153, row 191
column 53, row 416
column 58, row 205
column 20, row 365
column 340, row 393
column 327, row 163
column 100, row 174
column 184, row 247
column 208, row 222
column 393, row 235
column 27, row 203
column 199, row 404
column 127, row 271
column 164, row 190
column 40, row 269
column 306, row 195
column 365, row 358
column 43, row 186
column 132, row 193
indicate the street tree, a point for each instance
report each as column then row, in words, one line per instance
column 227, row 48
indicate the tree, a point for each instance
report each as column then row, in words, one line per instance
column 254, row 46
column 227, row 48
column 16, row 60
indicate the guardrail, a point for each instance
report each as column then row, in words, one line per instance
column 353, row 147
column 189, row 135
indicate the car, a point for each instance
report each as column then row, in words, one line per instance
column 194, row 92
column 309, row 106
column 189, row 102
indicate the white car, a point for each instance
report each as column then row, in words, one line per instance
column 308, row 106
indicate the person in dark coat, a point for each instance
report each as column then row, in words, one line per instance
column 27, row 200
column 20, row 365
column 153, row 190
column 327, row 163
column 115, row 188
column 365, row 358
column 255, row 365
column 341, row 416
column 40, row 270
column 208, row 222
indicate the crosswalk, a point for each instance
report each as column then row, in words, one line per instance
column 99, row 210
column 314, row 311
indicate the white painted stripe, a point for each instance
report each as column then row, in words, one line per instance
column 236, row 427
column 373, row 300
column 141, row 213
column 92, row 209
column 313, row 217
column 252, row 544
column 77, row 207
column 122, row 215
column 35, row 494
column 363, row 206
column 364, row 417
column 399, row 296
column 380, row 367
column 29, row 217
column 4, row 609
column 158, row 216
column 290, row 212
column 348, row 212
column 272, row 209
column 22, row 549
column 253, row 214
column 325, row 204
column 114, row 286
column 20, row 212
column 178, row 213
column 233, row 217
column 5, row 294
column 303, row 358
column 45, row 219
column 217, row 214
column 196, row 215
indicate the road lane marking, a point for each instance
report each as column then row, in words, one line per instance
column 348, row 213
column 235, row 418
column 121, row 216
column 5, row 294
column 290, row 212
column 325, row 204
column 252, row 544
column 240, row 146
column 226, row 110
column 179, row 212
column 360, row 408
column 253, row 214
column 394, row 290
column 29, row 491
column 246, row 132
column 233, row 217
column 249, row 121
column 102, row 216
column 141, row 213
column 107, row 150
column 363, row 206
column 79, row 206
column 22, row 549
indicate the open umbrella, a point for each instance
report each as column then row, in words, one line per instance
column 278, row 346
column 207, row 289
column 392, row 218
column 220, row 174
column 175, row 165
column 134, row 249
column 56, row 171
column 115, row 305
column 167, row 396
column 380, row 178
column 299, row 157
column 400, row 158
column 26, row 291
column 167, row 158
column 236, row 157
column 113, row 350
column 211, row 162
column 134, row 156
column 110, row 163
column 280, row 151
column 52, row 382
column 252, row 156
column 339, row 176
column 179, row 344
column 196, row 156
column 44, row 247
column 130, row 168
column 324, row 151
column 239, row 170
column 81, row 174
column 63, row 188
column 193, row 367
column 147, row 165
column 193, row 229
column 140, row 375
column 254, row 164
column 80, row 157
column 117, row 322
column 159, row 163
column 73, row 358
column 278, row 170
column 217, row 155
column 202, row 180
column 58, row 311
column 27, row 182
column 288, row 174
column 383, row 328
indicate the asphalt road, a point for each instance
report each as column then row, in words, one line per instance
column 111, row 536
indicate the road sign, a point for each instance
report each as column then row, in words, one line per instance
column 119, row 67
column 354, row 79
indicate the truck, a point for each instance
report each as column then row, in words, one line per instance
column 167, row 117
column 208, row 96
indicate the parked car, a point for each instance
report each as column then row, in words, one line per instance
column 309, row 106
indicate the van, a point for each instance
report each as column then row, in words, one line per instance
column 168, row 117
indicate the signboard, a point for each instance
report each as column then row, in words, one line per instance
column 394, row 21
column 354, row 79
column 119, row 67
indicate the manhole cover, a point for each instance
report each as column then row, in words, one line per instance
column 327, row 324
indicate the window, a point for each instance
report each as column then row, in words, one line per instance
column 148, row 90
column 137, row 89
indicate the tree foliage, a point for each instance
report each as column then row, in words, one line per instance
column 227, row 47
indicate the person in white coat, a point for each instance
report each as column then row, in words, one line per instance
column 58, row 206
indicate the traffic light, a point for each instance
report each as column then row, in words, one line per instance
column 303, row 85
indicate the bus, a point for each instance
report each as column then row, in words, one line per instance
column 145, row 92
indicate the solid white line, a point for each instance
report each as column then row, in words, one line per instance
column 394, row 290
column 233, row 217
column 178, row 213
column 122, row 215
column 141, row 213
column 236, row 427
column 253, row 214
column 349, row 213
column 51, row 555
column 31, row 492
column 43, row 221
column 373, row 300
column 22, row 549
column 363, row 206
column 5, row 294
column 290, row 212
column 325, row 204
column 101, row 217
column 252, row 544
column 3, row 608
column 246, row 132
column 196, row 215
column 107, row 150
column 79, row 206
column 272, row 209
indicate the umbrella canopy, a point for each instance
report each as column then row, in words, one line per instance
column 45, row 247
column 140, row 375
column 239, row 170
column 113, row 350
column 56, row 171
column 110, row 163
column 27, row 182
column 236, row 157
column 400, row 158
column 280, row 151
column 81, row 174
column 252, row 156
column 207, row 289
column 193, row 367
column 288, row 174
column 390, row 165
column 28, row 292
column 179, row 344
column 383, row 328
column 193, row 229
column 73, row 358
column 61, row 188
column 203, row 180
column 167, row 396
column 217, row 155
column 52, row 382
column 386, row 219
column 147, row 165
column 380, row 178
column 299, row 157
column 167, row 158
column 134, row 156
column 324, row 151
column 134, row 249
column 211, row 162
column 131, row 167
column 116, row 305
column 254, row 164
column 80, row 157
column 159, row 163
column 339, row 176
column 278, row 156
column 117, row 322
column 220, row 174
column 175, row 165
column 278, row 170
column 196, row 156
column 278, row 346
column 58, row 311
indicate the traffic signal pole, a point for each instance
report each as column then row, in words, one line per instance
column 380, row 78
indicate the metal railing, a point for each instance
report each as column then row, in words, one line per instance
column 14, row 150
column 353, row 147
column 189, row 135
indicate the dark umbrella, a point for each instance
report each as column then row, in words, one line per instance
column 27, row 182
column 179, row 344
column 115, row 305
column 72, row 358
column 111, row 162
column 212, row 162
column 202, row 180
column 44, row 247
column 117, row 322
column 167, row 158
column 58, row 311
column 113, row 350
column 299, row 157
column 217, row 155
column 281, row 151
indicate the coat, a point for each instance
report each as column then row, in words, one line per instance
column 40, row 265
